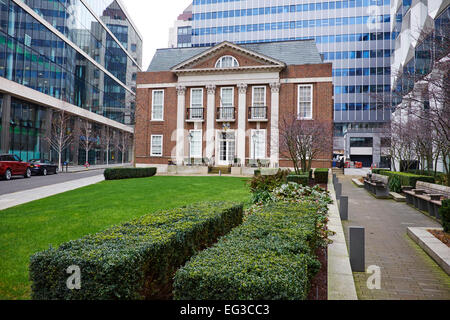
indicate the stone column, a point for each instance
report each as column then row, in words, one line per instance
column 6, row 118
column 274, row 125
column 210, row 120
column 181, row 106
column 242, row 120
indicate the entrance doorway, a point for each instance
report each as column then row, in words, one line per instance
column 226, row 148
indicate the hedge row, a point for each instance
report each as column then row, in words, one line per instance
column 444, row 212
column 378, row 170
column 407, row 179
column 321, row 175
column 269, row 257
column 302, row 179
column 128, row 173
column 135, row 260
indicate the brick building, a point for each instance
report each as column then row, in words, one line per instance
column 224, row 105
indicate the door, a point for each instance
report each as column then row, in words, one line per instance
column 226, row 148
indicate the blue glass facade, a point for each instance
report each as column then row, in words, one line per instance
column 90, row 61
column 354, row 35
column 34, row 56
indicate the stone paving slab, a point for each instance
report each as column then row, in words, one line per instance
column 407, row 272
column 21, row 197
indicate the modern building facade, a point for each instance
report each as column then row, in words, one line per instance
column 354, row 35
column 77, row 56
column 226, row 104
column 422, row 53
column 180, row 36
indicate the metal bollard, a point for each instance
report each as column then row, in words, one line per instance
column 338, row 189
column 357, row 249
column 343, row 207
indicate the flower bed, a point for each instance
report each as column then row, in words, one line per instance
column 272, row 255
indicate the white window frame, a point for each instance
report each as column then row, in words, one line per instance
column 223, row 112
column 151, row 145
column 192, row 106
column 253, row 150
column 219, row 62
column 153, row 106
column 310, row 86
column 201, row 145
column 253, row 96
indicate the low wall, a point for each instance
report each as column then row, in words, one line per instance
column 341, row 285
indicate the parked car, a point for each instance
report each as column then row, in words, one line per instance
column 12, row 165
column 43, row 167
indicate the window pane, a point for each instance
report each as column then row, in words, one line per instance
column 156, row 149
column 197, row 98
column 305, row 102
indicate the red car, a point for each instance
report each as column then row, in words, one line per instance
column 11, row 165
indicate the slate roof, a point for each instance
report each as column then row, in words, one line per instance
column 290, row 52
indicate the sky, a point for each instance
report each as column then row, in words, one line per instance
column 154, row 18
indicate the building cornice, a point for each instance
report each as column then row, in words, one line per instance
column 229, row 70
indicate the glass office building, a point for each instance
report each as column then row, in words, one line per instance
column 78, row 55
column 354, row 35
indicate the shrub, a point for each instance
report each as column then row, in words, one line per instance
column 135, row 260
column 444, row 212
column 378, row 170
column 321, row 175
column 128, row 173
column 395, row 185
column 440, row 177
column 302, row 179
column 407, row 179
column 269, row 182
column 270, row 256
column 257, row 172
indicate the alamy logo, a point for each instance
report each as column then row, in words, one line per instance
column 74, row 281
column 374, row 281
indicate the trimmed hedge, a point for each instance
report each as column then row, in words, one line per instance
column 128, row 173
column 407, row 179
column 302, row 179
column 378, row 170
column 257, row 172
column 135, row 260
column 321, row 175
column 269, row 257
column 444, row 212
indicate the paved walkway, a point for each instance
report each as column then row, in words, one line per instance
column 17, row 198
column 95, row 167
column 407, row 272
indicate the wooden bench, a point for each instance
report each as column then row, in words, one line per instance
column 427, row 197
column 378, row 185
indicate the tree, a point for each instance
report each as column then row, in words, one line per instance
column 106, row 140
column 60, row 135
column 87, row 141
column 421, row 121
column 303, row 141
column 123, row 144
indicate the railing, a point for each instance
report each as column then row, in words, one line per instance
column 195, row 114
column 226, row 113
column 257, row 113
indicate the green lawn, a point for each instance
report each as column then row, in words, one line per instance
column 32, row 227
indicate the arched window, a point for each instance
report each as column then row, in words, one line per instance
column 227, row 62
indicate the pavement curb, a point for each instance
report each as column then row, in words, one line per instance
column 434, row 247
column 341, row 285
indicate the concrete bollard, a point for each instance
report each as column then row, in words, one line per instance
column 357, row 249
column 338, row 189
column 343, row 207
column 334, row 178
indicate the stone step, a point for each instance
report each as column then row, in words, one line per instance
column 397, row 197
column 222, row 170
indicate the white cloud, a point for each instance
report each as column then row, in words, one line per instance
column 154, row 18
